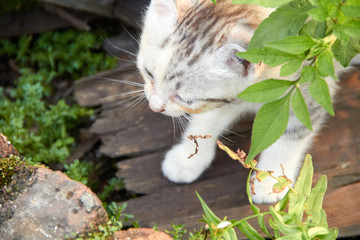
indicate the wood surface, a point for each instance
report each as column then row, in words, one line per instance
column 123, row 134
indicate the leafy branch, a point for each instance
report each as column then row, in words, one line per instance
column 304, row 217
column 299, row 33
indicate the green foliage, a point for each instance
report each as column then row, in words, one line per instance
column 114, row 184
column 36, row 128
column 286, row 38
column 7, row 6
column 304, row 217
column 178, row 231
column 79, row 171
column 116, row 219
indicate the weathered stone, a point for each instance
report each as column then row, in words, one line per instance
column 51, row 206
column 141, row 234
column 6, row 149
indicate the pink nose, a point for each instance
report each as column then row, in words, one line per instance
column 156, row 104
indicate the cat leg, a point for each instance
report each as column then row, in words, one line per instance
column 289, row 150
column 177, row 166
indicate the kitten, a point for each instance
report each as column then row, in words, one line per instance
column 187, row 59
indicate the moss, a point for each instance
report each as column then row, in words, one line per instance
column 10, row 166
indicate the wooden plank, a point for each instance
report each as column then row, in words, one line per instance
column 135, row 172
column 103, row 8
column 35, row 21
column 131, row 11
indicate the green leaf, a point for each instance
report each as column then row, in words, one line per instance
column 285, row 21
column 261, row 176
column 300, row 109
column 307, row 74
column 315, row 201
column 266, row 91
column 316, row 231
column 270, row 56
column 290, row 67
column 262, row 225
column 230, row 234
column 298, row 235
column 334, row 232
column 210, row 217
column 282, row 204
column 264, row 3
column 345, row 53
column 269, row 124
column 318, row 14
column 352, row 28
column 249, row 231
column 254, row 208
column 325, row 65
column 314, row 29
column 351, row 10
column 292, row 44
column 319, row 90
column 281, row 184
column 280, row 223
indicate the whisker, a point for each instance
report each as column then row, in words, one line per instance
column 107, row 107
column 136, row 84
column 119, row 48
column 121, row 95
column 136, row 40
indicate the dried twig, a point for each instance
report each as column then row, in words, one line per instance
column 194, row 138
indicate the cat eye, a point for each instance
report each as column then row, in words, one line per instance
column 188, row 102
column 149, row 74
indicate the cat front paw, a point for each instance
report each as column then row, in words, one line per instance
column 264, row 192
column 179, row 168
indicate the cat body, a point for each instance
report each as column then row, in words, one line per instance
column 187, row 59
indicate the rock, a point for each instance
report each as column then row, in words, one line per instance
column 141, row 234
column 51, row 206
column 6, row 149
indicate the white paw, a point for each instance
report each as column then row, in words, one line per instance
column 264, row 192
column 177, row 166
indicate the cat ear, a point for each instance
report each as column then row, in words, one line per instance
column 227, row 56
column 163, row 11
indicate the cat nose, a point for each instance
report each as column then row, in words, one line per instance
column 156, row 104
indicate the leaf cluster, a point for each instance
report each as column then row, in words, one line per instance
column 299, row 215
column 303, row 37
column 38, row 129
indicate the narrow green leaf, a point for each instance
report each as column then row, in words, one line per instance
column 307, row 74
column 292, row 44
column 280, row 223
column 230, row 234
column 209, row 215
column 254, row 208
column 262, row 225
column 249, row 231
column 290, row 67
column 300, row 109
column 323, row 219
column 316, row 231
column 269, row 124
column 264, row 3
column 282, row 204
column 298, row 235
column 315, row 201
column 266, row 91
column 325, row 65
column 334, row 232
column 285, row 21
column 319, row 90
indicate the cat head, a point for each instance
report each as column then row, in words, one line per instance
column 187, row 54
